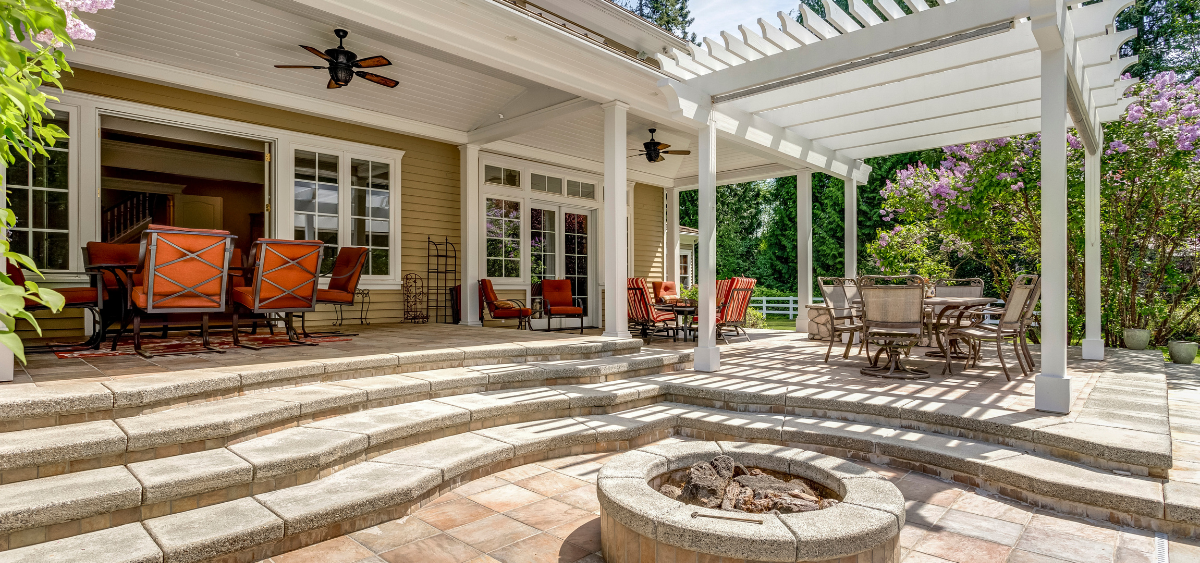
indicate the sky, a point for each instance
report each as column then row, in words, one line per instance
column 715, row 16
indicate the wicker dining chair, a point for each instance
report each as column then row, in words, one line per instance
column 179, row 271
column 1013, row 323
column 284, row 281
column 842, row 313
column 893, row 318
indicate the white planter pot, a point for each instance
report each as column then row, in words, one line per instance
column 1137, row 338
column 1182, row 352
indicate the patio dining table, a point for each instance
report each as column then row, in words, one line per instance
column 956, row 306
column 685, row 312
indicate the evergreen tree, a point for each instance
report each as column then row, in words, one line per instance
column 674, row 16
column 1168, row 37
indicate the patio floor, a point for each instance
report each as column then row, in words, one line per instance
column 547, row 512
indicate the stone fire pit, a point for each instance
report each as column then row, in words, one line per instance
column 639, row 524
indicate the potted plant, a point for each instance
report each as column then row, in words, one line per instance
column 1137, row 338
column 1182, row 351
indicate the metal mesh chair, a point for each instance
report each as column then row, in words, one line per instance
column 181, row 271
column 842, row 312
column 1014, row 321
column 284, row 281
column 893, row 317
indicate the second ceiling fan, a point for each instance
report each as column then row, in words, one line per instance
column 654, row 150
column 343, row 64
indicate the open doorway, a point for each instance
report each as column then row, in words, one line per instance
column 161, row 174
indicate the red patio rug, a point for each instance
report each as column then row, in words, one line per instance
column 190, row 345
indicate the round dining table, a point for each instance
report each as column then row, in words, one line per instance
column 949, row 306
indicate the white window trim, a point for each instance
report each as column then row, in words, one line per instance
column 85, row 172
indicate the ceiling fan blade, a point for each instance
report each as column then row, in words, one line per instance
column 332, row 84
column 316, row 52
column 297, row 66
column 380, row 80
column 663, row 146
column 638, row 154
column 659, row 159
column 372, row 62
column 677, row 152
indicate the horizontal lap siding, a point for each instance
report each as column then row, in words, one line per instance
column 429, row 171
column 647, row 232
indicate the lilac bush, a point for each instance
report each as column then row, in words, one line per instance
column 983, row 203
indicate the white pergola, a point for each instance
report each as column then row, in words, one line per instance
column 834, row 90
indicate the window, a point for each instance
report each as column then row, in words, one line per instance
column 685, row 270
column 371, row 211
column 39, row 195
column 503, row 238
column 502, row 176
column 316, row 188
column 548, row 184
column 576, row 255
column 581, row 189
column 542, row 231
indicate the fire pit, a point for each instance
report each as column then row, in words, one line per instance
column 847, row 510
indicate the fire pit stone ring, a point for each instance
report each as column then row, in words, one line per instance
column 640, row 524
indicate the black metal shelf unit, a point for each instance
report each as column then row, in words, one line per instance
column 441, row 275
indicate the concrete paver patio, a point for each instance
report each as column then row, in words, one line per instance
column 548, row 512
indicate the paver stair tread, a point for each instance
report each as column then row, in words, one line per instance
column 385, row 386
column 297, row 449
column 123, row 544
column 185, row 475
column 214, row 419
column 451, row 456
column 30, row 401
column 318, row 397
column 490, row 404
column 64, row 498
column 385, row 424
column 54, row 444
column 211, row 531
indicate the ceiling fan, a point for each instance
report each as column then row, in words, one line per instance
column 342, row 64
column 654, row 149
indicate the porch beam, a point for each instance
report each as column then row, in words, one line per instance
column 531, row 121
column 762, row 136
column 736, row 176
column 616, row 249
column 1093, row 338
column 707, row 355
column 804, row 236
column 469, row 233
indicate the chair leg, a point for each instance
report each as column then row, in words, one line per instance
column 580, row 324
column 137, row 337
column 303, row 328
column 120, row 332
column 293, row 336
column 832, row 336
column 237, row 339
column 1025, row 348
column 204, row 335
column 849, row 345
column 1020, row 358
column 1000, row 354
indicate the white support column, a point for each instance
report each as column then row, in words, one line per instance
column 1053, row 385
column 1093, row 339
column 804, row 235
column 616, row 249
column 671, row 252
column 708, row 356
column 851, row 228
column 471, row 222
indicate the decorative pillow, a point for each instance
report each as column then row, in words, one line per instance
column 505, row 305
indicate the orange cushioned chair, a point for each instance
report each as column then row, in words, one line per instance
column 558, row 301
column 116, row 262
column 502, row 309
column 183, row 271
column 643, row 315
column 343, row 281
column 664, row 292
column 285, row 281
column 731, row 313
column 90, row 298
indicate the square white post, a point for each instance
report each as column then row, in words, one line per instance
column 616, row 250
column 1093, row 340
column 708, row 356
column 672, row 242
column 468, row 205
column 804, row 234
column 1053, row 386
column 851, row 228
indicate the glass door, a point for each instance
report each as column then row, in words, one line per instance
column 560, row 248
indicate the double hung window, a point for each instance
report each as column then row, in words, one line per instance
column 343, row 200
column 503, row 232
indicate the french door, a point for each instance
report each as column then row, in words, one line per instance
column 560, row 247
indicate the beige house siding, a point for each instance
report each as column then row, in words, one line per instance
column 429, row 189
column 647, row 232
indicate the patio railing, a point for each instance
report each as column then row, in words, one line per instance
column 789, row 306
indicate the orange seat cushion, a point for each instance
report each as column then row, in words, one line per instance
column 192, row 301
column 334, row 296
column 565, row 310
column 245, row 296
column 72, row 295
column 511, row 313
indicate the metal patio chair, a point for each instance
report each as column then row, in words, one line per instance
column 343, row 280
column 731, row 313
column 842, row 312
column 500, row 309
column 1014, row 321
column 89, row 297
column 893, row 318
column 284, row 281
column 559, row 301
column 642, row 314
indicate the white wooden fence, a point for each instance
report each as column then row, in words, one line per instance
column 789, row 306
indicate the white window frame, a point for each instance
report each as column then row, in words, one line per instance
column 85, row 177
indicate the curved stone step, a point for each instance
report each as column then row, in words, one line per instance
column 26, row 407
column 392, row 485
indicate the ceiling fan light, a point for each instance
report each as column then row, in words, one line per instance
column 341, row 74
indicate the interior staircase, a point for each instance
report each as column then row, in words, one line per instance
column 244, row 464
column 123, row 222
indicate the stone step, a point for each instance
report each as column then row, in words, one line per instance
column 212, row 424
column 24, row 407
column 391, row 485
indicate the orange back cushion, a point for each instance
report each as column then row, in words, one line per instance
column 287, row 272
column 185, row 262
column 557, row 293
